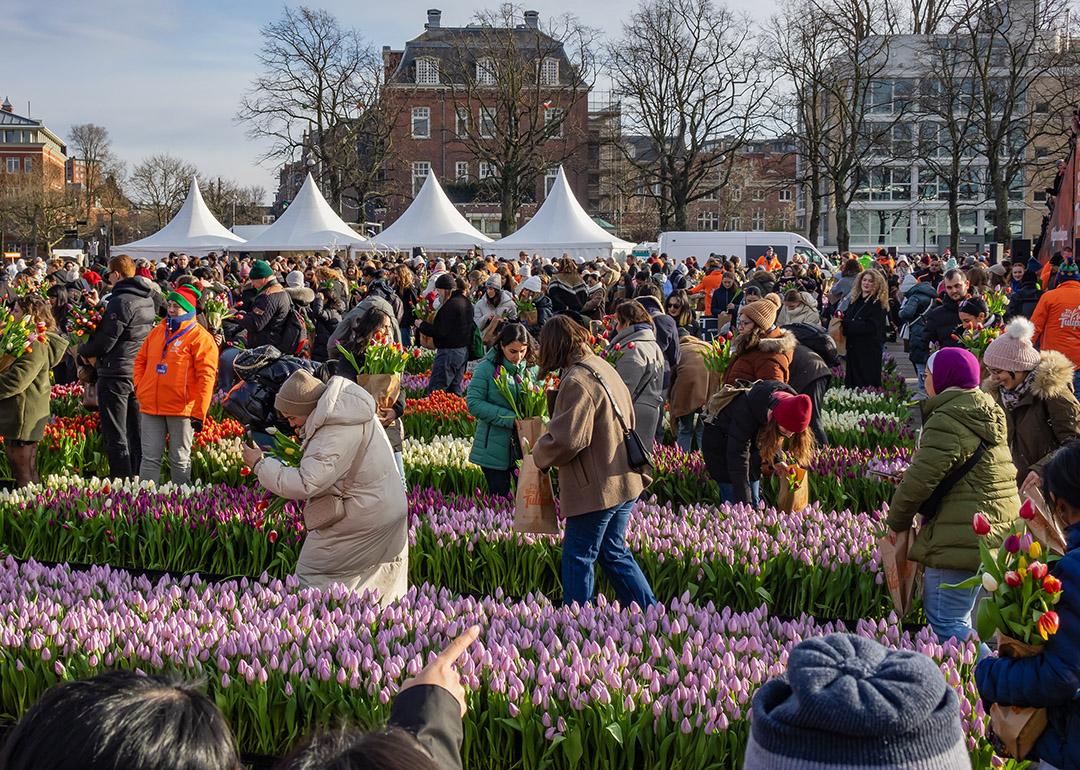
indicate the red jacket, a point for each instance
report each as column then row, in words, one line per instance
column 190, row 371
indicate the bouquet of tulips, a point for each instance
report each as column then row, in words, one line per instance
column 526, row 395
column 718, row 356
column 977, row 338
column 526, row 310
column 424, row 307
column 613, row 353
column 380, row 374
column 17, row 338
column 84, row 322
column 216, row 311
column 997, row 302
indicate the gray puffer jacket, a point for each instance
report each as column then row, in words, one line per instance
column 641, row 366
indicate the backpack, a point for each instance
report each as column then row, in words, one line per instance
column 723, row 398
column 295, row 340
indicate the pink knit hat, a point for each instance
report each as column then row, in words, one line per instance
column 1013, row 351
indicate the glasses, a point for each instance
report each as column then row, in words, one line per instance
column 994, row 372
column 674, row 306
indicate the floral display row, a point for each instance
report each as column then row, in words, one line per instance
column 592, row 687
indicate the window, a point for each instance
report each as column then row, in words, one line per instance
column 553, row 117
column 461, row 171
column 1040, row 196
column 1041, row 108
column 462, row 121
column 427, row 72
column 710, row 194
column 734, row 223
column 549, row 180
column 421, row 122
column 485, row 72
column 759, row 195
column 884, row 184
column 420, row 171
column 785, row 196
column 487, row 123
column 736, row 194
column 28, row 165
column 549, row 72
column 12, row 165
column 487, row 169
column 708, row 220
column 880, row 227
column 1041, row 152
column 757, row 222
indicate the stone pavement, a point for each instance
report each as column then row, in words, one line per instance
column 906, row 367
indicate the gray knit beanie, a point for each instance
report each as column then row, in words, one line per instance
column 848, row 702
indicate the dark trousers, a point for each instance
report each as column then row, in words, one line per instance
column 498, row 482
column 816, row 391
column 120, row 426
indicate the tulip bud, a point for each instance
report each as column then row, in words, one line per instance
column 1012, row 544
column 1013, row 579
column 1051, row 584
column 1035, row 550
column 1047, row 624
column 989, row 582
column 1027, row 510
column 981, row 524
column 1038, row 570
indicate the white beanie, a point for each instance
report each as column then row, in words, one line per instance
column 532, row 283
column 909, row 283
column 295, row 280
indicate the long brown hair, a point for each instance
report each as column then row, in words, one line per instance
column 402, row 278
column 631, row 312
column 881, row 287
column 38, row 310
column 563, row 341
column 770, row 441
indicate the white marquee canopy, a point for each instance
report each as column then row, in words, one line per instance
column 309, row 224
column 431, row 222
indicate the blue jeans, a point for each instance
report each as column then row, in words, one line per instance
column 448, row 369
column 920, row 372
column 690, row 427
column 406, row 335
column 225, row 368
column 727, row 492
column 601, row 536
column 948, row 609
column 1076, row 381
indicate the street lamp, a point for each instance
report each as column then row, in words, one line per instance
column 922, row 224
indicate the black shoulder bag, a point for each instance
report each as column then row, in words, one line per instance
column 638, row 457
column 929, row 508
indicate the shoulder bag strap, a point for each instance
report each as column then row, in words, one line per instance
column 611, row 398
column 930, row 508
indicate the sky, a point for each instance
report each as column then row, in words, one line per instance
column 167, row 75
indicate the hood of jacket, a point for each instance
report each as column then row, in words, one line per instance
column 572, row 280
column 635, row 334
column 503, row 298
column 652, row 304
column 342, row 403
column 778, row 341
column 975, row 409
column 136, row 286
column 924, row 289
column 301, row 294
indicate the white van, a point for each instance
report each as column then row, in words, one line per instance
column 746, row 246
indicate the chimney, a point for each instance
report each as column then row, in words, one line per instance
column 7, row 106
column 434, row 15
column 532, row 19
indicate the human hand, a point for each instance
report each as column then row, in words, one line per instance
column 1033, row 480
column 252, row 454
column 892, row 536
column 781, row 469
column 387, row 415
column 442, row 672
column 219, row 338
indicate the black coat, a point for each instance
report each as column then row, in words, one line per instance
column 864, row 327
column 129, row 316
column 325, row 316
column 267, row 318
column 431, row 715
column 667, row 336
column 813, row 358
column 1023, row 301
column 453, row 324
column 729, row 443
column 722, row 297
column 941, row 323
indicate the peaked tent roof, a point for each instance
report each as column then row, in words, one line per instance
column 561, row 226
column 431, row 222
column 309, row 224
column 193, row 230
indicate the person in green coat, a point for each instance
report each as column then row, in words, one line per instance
column 493, row 446
column 25, row 387
column 958, row 419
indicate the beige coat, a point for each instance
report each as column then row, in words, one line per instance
column 694, row 384
column 585, row 443
column 347, row 454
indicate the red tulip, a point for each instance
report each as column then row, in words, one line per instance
column 1027, row 510
column 1038, row 570
column 1051, row 584
column 1013, row 579
column 981, row 524
column 630, row 345
column 272, row 536
column 1048, row 624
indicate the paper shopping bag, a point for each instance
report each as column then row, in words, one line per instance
column 794, row 494
column 534, row 501
column 1043, row 527
column 384, row 388
column 1017, row 728
column 900, row 572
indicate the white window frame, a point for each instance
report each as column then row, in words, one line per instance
column 785, row 195
column 757, row 222
column 735, row 223
column 708, row 220
column 461, row 121
column 552, row 114
column 549, row 71
column 549, row 180
column 461, row 171
column 487, row 170
column 13, row 164
column 421, row 114
column 758, row 194
column 427, row 71
column 736, row 193
column 420, row 171
column 488, row 125
column 485, row 71
column 27, row 165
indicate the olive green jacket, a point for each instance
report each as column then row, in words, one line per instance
column 953, row 423
column 25, row 390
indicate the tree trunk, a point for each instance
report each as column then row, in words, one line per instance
column 1000, row 191
column 507, row 209
column 954, row 219
column 843, row 235
column 813, row 229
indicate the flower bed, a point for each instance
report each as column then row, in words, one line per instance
column 597, row 687
column 440, row 414
column 442, row 463
column 866, row 430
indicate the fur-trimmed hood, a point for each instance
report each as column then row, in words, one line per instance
column 1053, row 376
column 300, row 294
column 778, row 341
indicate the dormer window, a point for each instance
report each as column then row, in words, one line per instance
column 549, row 72
column 485, row 72
column 427, row 72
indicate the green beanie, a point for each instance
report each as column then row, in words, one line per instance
column 261, row 269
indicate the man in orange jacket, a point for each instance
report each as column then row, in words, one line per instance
column 175, row 372
column 1057, row 317
column 708, row 284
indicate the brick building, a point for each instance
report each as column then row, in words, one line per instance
column 444, row 95
column 27, row 146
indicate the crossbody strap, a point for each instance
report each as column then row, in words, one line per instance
column 929, row 509
column 611, row 398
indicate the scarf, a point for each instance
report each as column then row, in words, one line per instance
column 173, row 323
column 1010, row 398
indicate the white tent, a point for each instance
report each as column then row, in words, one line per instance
column 193, row 230
column 560, row 227
column 309, row 224
column 431, row 222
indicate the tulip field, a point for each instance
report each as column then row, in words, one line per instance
column 197, row 580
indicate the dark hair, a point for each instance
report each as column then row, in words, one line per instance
column 1061, row 476
column 363, row 326
column 649, row 289
column 562, row 342
column 122, row 719
column 953, row 274
column 389, row 749
column 973, row 306
column 631, row 312
column 509, row 332
column 851, row 268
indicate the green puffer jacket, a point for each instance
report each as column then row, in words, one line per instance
column 494, row 416
column 953, row 423
column 24, row 390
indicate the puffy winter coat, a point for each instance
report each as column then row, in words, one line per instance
column 770, row 359
column 694, row 384
column 912, row 312
column 641, row 367
column 25, row 388
column 667, row 336
column 345, row 454
column 941, row 323
column 1050, row 679
column 484, row 311
column 954, row 421
column 1045, row 418
column 129, row 317
column 1023, row 301
column 492, row 445
column 805, row 313
column 191, row 364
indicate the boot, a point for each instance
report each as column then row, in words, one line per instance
column 33, row 463
column 21, row 458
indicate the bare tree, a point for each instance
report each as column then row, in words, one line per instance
column 688, row 77
column 522, row 90
column 232, row 203
column 159, row 184
column 317, row 98
column 93, row 149
column 35, row 206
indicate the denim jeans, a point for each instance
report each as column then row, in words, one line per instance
column 181, row 433
column 225, row 368
column 920, row 372
column 498, row 481
column 690, row 428
column 120, row 425
column 1076, row 381
column 727, row 492
column 601, row 536
column 949, row 609
column 448, row 369
column 406, row 335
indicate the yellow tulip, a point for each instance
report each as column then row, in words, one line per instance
column 1035, row 550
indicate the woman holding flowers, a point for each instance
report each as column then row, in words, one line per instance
column 864, row 329
column 494, row 447
column 1050, row 679
column 24, row 387
column 962, row 466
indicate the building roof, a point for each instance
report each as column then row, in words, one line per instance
column 10, row 119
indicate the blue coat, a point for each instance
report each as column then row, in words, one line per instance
column 1050, row 680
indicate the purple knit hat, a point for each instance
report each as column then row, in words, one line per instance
column 954, row 368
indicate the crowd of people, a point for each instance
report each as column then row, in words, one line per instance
column 628, row 341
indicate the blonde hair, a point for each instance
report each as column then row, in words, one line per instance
column 881, row 287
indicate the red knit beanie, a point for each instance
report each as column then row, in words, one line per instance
column 792, row 413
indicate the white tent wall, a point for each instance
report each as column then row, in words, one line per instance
column 309, row 224
column 432, row 223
